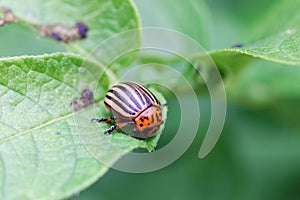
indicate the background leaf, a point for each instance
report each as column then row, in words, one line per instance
column 274, row 43
column 277, row 44
column 174, row 14
column 103, row 18
column 43, row 154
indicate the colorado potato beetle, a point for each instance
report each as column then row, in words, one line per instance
column 135, row 106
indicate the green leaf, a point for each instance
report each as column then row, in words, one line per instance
column 174, row 14
column 42, row 142
column 236, row 22
column 276, row 82
column 278, row 45
column 104, row 19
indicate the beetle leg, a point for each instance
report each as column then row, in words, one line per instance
column 111, row 129
column 107, row 120
column 114, row 127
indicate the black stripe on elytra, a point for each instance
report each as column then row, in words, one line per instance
column 136, row 91
column 128, row 93
column 148, row 97
column 109, row 106
column 122, row 99
column 119, row 105
column 115, row 112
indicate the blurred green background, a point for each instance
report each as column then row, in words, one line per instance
column 258, row 154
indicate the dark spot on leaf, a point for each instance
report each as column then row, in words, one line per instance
column 56, row 36
column 75, row 104
column 84, row 102
column 82, row 29
column 8, row 17
column 61, row 32
column 237, row 46
column 86, row 99
column 88, row 94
